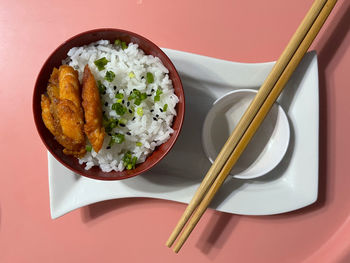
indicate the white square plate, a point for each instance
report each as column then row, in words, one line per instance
column 291, row 185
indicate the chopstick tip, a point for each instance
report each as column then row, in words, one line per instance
column 168, row 244
column 177, row 247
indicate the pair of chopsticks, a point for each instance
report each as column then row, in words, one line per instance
column 252, row 118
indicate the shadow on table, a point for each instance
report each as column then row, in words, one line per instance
column 217, row 231
column 331, row 47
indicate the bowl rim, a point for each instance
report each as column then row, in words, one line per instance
column 181, row 117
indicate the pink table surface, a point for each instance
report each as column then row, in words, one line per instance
column 135, row 230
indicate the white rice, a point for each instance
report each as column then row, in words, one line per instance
column 152, row 128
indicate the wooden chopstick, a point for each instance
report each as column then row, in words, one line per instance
column 300, row 50
column 248, row 116
column 255, row 124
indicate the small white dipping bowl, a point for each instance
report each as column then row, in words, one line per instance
column 267, row 147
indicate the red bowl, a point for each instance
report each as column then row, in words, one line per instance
column 55, row 60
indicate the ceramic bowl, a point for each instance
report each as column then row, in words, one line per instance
column 55, row 60
column 267, row 147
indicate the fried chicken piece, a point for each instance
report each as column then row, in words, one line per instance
column 69, row 126
column 46, row 102
column 46, row 114
column 53, row 88
column 69, row 87
column 93, row 127
column 65, row 117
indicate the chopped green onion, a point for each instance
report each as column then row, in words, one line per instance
column 109, row 76
column 139, row 111
column 123, row 121
column 131, row 75
column 129, row 161
column 137, row 96
column 139, row 144
column 156, row 98
column 119, row 95
column 165, row 107
column 137, row 101
column 117, row 138
column 120, row 100
column 101, row 87
column 149, row 77
column 88, row 148
column 133, row 161
column 120, row 138
column 119, row 108
column 113, row 124
column 127, row 157
column 101, row 63
column 117, row 42
column 109, row 124
column 136, row 92
column 132, row 96
column 158, row 93
column 124, row 45
column 143, row 96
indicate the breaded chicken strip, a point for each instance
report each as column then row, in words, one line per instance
column 46, row 102
column 69, row 88
column 93, row 127
column 46, row 114
column 65, row 120
column 53, row 88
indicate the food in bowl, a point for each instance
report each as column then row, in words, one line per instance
column 93, row 126
column 137, row 103
column 62, row 112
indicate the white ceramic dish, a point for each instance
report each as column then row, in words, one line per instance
column 267, row 147
column 291, row 185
